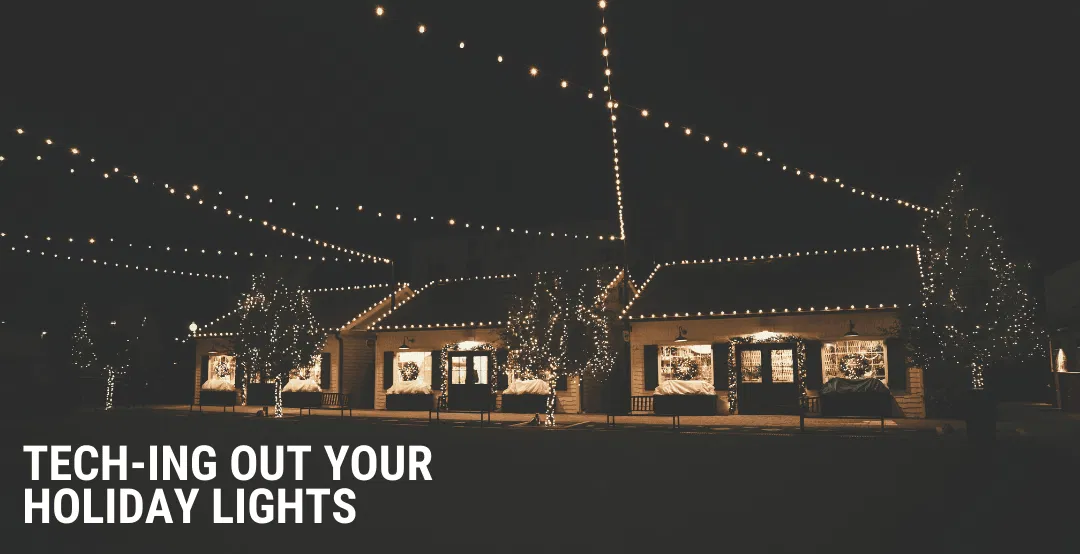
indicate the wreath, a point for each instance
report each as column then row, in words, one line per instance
column 854, row 366
column 409, row 371
column 684, row 368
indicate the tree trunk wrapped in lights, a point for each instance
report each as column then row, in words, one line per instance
column 976, row 313
column 561, row 329
column 278, row 333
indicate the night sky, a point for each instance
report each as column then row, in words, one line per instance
column 333, row 106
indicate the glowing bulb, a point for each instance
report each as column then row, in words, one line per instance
column 461, row 45
column 605, row 52
column 19, row 131
column 195, row 188
column 74, row 150
column 644, row 113
column 666, row 124
column 533, row 71
column 590, row 95
column 743, row 150
column 607, row 72
column 48, row 141
column 452, row 222
column 379, row 10
column 603, row 30
column 563, row 84
column 422, row 29
column 706, row 138
column 603, row 4
column 687, row 131
column 500, row 59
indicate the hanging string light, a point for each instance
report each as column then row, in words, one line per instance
column 199, row 196
column 612, row 105
column 228, row 212
column 586, row 92
column 106, row 263
column 91, row 241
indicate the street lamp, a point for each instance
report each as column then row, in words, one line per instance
column 193, row 327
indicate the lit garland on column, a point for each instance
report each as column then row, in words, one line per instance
column 733, row 363
column 975, row 311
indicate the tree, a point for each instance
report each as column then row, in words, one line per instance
column 560, row 330
column 83, row 354
column 976, row 314
column 278, row 333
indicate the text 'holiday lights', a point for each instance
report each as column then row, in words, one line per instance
column 193, row 194
column 690, row 131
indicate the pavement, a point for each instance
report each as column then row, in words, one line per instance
column 598, row 422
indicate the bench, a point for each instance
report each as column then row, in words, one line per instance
column 811, row 407
column 333, row 401
column 441, row 407
column 639, row 404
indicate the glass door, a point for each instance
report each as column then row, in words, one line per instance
column 767, row 379
column 470, row 387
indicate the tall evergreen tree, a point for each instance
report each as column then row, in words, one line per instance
column 976, row 314
column 278, row 333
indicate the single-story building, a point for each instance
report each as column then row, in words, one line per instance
column 766, row 331
column 457, row 322
column 347, row 363
column 1063, row 316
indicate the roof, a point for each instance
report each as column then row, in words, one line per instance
column 333, row 308
column 470, row 301
column 881, row 277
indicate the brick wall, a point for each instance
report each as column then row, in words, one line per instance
column 818, row 326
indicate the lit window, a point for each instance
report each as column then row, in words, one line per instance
column 853, row 359
column 750, row 366
column 310, row 373
column 686, row 363
column 468, row 369
column 412, row 366
column 223, row 368
column 783, row 366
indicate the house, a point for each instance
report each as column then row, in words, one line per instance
column 457, row 323
column 766, row 330
column 1063, row 317
column 347, row 363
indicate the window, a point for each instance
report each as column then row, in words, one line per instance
column 686, row 363
column 469, row 369
column 223, row 367
column 412, row 366
column 750, row 366
column 311, row 373
column 853, row 359
column 783, row 366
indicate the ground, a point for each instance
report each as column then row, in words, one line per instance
column 509, row 486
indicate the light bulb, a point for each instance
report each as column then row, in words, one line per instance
column 379, row 10
column 533, row 71
column 422, row 29
column 603, row 30
column 563, row 84
column 644, row 113
column 500, row 59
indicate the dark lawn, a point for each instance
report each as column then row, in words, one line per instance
column 564, row 490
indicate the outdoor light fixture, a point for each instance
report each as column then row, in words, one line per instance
column 851, row 329
column 404, row 341
column 193, row 327
column 682, row 335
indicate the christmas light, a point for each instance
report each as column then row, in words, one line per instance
column 106, row 263
column 612, row 106
column 273, row 228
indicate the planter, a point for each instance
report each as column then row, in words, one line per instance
column 525, row 403
column 260, row 394
column 684, row 404
column 470, row 398
column 410, row 402
column 301, row 399
column 877, row 404
column 217, row 398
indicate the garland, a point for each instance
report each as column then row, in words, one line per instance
column 733, row 367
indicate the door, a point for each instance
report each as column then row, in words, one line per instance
column 470, row 385
column 768, row 379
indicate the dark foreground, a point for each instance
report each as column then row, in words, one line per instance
column 503, row 489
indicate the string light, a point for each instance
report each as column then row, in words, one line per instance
column 186, row 250
column 763, row 257
column 612, row 106
column 139, row 267
column 264, row 223
column 688, row 131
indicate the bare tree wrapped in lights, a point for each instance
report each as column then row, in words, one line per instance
column 976, row 314
column 277, row 333
column 561, row 329
column 83, row 355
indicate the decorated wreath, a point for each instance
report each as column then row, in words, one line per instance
column 409, row 371
column 684, row 368
column 855, row 366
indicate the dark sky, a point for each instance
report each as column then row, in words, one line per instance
column 329, row 105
